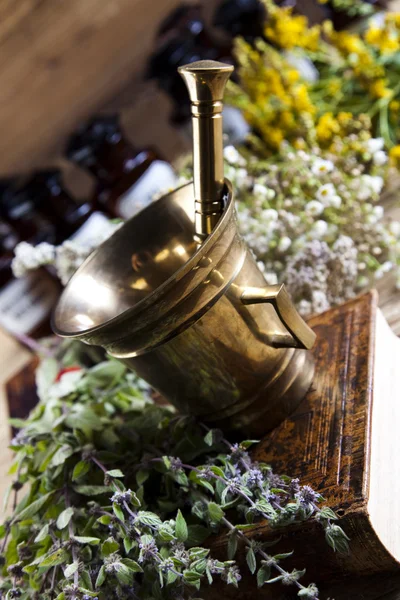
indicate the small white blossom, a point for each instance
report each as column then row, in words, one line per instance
column 233, row 156
column 322, row 166
column 270, row 214
column 367, row 185
column 314, row 208
column 374, row 145
column 270, row 278
column 335, row 201
column 66, row 385
column 260, row 191
column 29, row 258
column 284, row 243
column 380, row 158
column 325, row 193
column 319, row 229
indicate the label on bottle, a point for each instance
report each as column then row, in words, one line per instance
column 25, row 303
column 95, row 227
column 159, row 177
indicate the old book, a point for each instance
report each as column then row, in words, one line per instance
column 343, row 440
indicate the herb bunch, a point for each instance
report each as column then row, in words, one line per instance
column 296, row 81
column 121, row 494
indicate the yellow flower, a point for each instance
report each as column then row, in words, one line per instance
column 301, row 99
column 394, row 105
column 290, row 31
column 394, row 154
column 378, row 89
column 327, row 128
column 385, row 40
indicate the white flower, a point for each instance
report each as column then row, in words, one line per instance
column 325, row 193
column 261, row 191
column 314, row 208
column 304, row 307
column 380, row 158
column 367, row 185
column 241, row 177
column 335, row 201
column 28, row 257
column 233, row 156
column 270, row 214
column 374, row 145
column 378, row 212
column 319, row 229
column 284, row 243
column 303, row 65
column 322, row 166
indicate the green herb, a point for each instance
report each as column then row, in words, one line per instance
column 118, row 504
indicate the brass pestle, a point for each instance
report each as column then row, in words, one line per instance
column 177, row 296
column 206, row 81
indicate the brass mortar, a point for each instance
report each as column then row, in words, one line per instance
column 190, row 311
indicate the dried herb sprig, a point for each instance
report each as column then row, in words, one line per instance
column 121, row 493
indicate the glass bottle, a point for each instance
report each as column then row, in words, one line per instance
column 126, row 178
column 72, row 219
column 184, row 38
column 241, row 17
column 17, row 208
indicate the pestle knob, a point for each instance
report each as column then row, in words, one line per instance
column 206, row 81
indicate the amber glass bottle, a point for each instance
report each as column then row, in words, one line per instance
column 18, row 209
column 241, row 17
column 73, row 219
column 184, row 38
column 126, row 178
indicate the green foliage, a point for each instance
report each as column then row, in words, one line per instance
column 118, row 503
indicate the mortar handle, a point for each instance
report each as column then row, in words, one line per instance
column 277, row 295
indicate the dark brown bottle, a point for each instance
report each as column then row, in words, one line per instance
column 25, row 303
column 73, row 219
column 52, row 199
column 184, row 38
column 18, row 209
column 241, row 17
column 126, row 178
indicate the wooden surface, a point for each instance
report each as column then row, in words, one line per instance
column 326, row 442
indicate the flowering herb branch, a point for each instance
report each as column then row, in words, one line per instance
column 121, row 493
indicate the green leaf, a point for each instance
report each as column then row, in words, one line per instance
column 105, row 374
column 80, row 469
column 92, row 541
column 115, row 473
column 32, row 509
column 101, row 577
column 71, row 569
column 124, row 574
column 142, row 476
column 181, row 529
column 45, row 376
column 118, row 512
column 263, row 575
column 218, row 471
column 215, row 512
column 105, row 519
column 64, row 518
column 58, row 557
column 247, row 443
column 43, row 533
column 109, row 546
column 327, row 513
column 232, row 545
column 132, row 565
column 92, row 490
column 251, row 560
column 148, row 518
column 83, row 417
column 61, row 455
column 283, row 556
